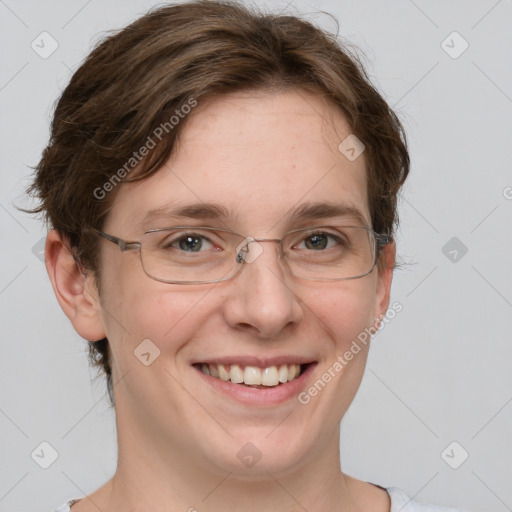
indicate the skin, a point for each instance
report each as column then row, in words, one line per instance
column 260, row 155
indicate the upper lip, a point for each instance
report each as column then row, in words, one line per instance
column 262, row 362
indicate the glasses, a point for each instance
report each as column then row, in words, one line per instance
column 198, row 255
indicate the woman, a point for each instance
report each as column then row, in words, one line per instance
column 221, row 187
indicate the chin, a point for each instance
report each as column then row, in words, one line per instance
column 252, row 458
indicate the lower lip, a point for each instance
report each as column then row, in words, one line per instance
column 260, row 396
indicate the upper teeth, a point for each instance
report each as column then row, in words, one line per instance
column 252, row 375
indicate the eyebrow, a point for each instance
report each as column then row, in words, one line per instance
column 325, row 210
column 214, row 211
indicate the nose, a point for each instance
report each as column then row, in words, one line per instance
column 261, row 297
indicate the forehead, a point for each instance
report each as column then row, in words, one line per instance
column 252, row 161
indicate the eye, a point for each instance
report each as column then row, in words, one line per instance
column 322, row 240
column 187, row 242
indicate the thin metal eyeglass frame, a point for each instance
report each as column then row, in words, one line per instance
column 381, row 240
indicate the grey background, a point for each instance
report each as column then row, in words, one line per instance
column 438, row 372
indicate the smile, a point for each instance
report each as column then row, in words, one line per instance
column 253, row 376
column 256, row 380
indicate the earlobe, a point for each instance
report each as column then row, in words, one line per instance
column 74, row 289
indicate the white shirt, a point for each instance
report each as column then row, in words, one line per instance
column 400, row 502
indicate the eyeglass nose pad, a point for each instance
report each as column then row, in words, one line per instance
column 246, row 252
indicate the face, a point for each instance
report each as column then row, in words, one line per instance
column 261, row 157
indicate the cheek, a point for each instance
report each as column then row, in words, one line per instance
column 139, row 308
column 344, row 309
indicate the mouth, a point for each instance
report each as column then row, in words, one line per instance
column 254, row 376
column 256, row 386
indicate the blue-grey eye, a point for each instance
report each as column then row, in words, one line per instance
column 188, row 242
column 191, row 242
column 319, row 241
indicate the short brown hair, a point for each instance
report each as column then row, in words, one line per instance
column 137, row 78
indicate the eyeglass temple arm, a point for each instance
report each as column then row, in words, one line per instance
column 122, row 244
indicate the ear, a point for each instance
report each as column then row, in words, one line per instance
column 75, row 290
column 383, row 290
